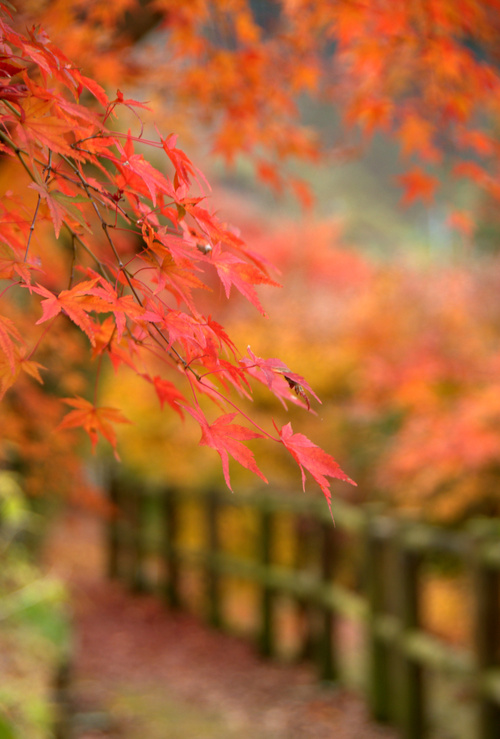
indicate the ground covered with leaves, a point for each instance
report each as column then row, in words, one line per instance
column 142, row 671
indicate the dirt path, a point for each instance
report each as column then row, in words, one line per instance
column 142, row 672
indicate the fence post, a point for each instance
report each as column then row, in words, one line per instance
column 486, row 633
column 127, row 533
column 267, row 595
column 379, row 682
column 411, row 686
column 305, row 614
column 170, row 525
column 327, row 655
column 213, row 579
column 137, row 527
column 113, row 530
column 63, row 708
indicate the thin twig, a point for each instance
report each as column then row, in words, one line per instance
column 47, row 171
column 73, row 260
column 32, row 227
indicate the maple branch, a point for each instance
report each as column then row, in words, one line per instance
column 100, row 266
column 18, row 152
column 177, row 358
column 32, row 227
column 98, row 374
column 104, row 226
column 47, row 170
column 73, row 260
column 113, row 202
column 7, row 287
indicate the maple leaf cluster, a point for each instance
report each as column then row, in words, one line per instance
column 97, row 239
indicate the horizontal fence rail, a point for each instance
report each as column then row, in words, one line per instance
column 386, row 600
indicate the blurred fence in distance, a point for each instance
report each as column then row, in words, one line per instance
column 174, row 543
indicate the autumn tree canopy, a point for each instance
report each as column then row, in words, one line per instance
column 426, row 73
column 105, row 254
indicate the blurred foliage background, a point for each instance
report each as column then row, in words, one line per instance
column 391, row 313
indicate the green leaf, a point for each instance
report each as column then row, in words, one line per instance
column 13, row 509
column 7, row 731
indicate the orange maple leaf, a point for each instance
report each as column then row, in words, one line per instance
column 61, row 206
column 416, row 135
column 13, row 264
column 9, row 334
column 226, row 437
column 9, row 374
column 76, row 303
column 38, row 125
column 462, row 222
column 94, row 420
column 418, row 184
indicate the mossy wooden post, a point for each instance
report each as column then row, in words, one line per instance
column 62, row 703
column 410, row 678
column 486, row 636
column 138, row 530
column 266, row 645
column 305, row 615
column 214, row 595
column 113, row 530
column 127, row 533
column 326, row 649
column 379, row 682
column 171, row 563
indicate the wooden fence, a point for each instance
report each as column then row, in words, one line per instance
column 385, row 597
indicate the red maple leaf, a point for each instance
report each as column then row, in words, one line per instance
column 184, row 168
column 234, row 271
column 226, row 437
column 167, row 393
column 278, row 377
column 471, row 170
column 313, row 459
column 137, row 173
column 92, row 86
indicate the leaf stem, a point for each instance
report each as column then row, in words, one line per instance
column 41, row 337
